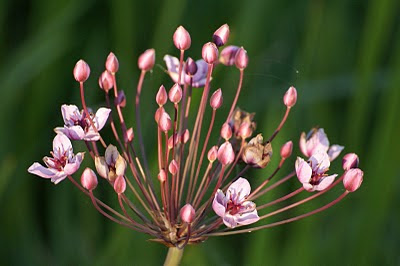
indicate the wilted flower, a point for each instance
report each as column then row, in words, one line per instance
column 111, row 165
column 256, row 153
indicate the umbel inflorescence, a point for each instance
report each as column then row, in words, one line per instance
column 195, row 192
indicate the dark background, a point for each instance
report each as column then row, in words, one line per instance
column 343, row 57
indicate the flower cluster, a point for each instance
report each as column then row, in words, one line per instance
column 195, row 192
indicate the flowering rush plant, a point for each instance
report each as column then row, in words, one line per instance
column 196, row 191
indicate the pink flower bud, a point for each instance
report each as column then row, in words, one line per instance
column 228, row 55
column 226, row 131
column 112, row 64
column 221, row 35
column 106, row 81
column 209, row 53
column 350, row 161
column 121, row 99
column 185, row 136
column 241, row 58
column 187, row 213
column 89, row 179
column 212, row 153
column 290, row 97
column 190, row 67
column 216, row 99
column 129, row 135
column 182, row 39
column 81, row 71
column 286, row 149
column 245, row 130
column 147, row 59
column 162, row 176
column 161, row 97
column 173, row 141
column 175, row 93
column 173, row 167
column 120, row 184
column 352, row 179
column 226, row 155
column 158, row 113
column 164, row 122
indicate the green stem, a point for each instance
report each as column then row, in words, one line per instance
column 174, row 256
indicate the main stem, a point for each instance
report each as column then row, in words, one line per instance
column 174, row 256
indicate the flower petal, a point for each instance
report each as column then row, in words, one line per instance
column 230, row 220
column 239, row 190
column 334, row 151
column 219, row 203
column 101, row 117
column 73, row 132
column 247, row 218
column 303, row 144
column 318, row 142
column 70, row 114
column 303, row 170
column 325, row 182
column 320, row 162
column 71, row 167
column 111, row 155
column 40, row 170
column 61, row 146
column 101, row 166
column 308, row 187
column 91, row 135
column 60, row 176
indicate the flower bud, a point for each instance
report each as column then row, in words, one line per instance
column 89, row 179
column 81, row 71
column 173, row 167
column 216, row 99
column 165, row 122
column 226, row 131
column 185, row 136
column 187, row 213
column 228, row 55
column 120, row 184
column 212, row 153
column 226, row 155
column 112, row 64
column 106, row 81
column 290, row 97
column 161, row 97
column 129, row 135
column 241, row 58
column 175, row 93
column 350, row 161
column 286, row 150
column 121, row 99
column 352, row 179
column 190, row 67
column 147, row 59
column 210, row 53
column 245, row 130
column 172, row 141
column 221, row 35
column 158, row 113
column 182, row 39
column 162, row 176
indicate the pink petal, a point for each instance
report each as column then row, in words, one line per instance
column 40, row 170
column 61, row 146
column 219, row 203
column 334, row 151
column 308, row 187
column 303, row 144
column 325, row 182
column 74, row 132
column 318, row 142
column 101, row 117
column 71, row 167
column 58, row 178
column 70, row 114
column 320, row 162
column 247, row 218
column 199, row 79
column 303, row 170
column 91, row 135
column 230, row 220
column 239, row 190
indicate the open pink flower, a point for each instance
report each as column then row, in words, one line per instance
column 316, row 140
column 63, row 162
column 312, row 174
column 233, row 207
column 77, row 126
column 198, row 80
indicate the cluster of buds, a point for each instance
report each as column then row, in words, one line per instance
column 195, row 192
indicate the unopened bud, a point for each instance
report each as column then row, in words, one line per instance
column 216, row 99
column 226, row 131
column 286, row 150
column 112, row 64
column 245, row 130
column 120, row 184
column 89, row 179
column 161, row 97
column 185, row 136
column 221, row 35
column 182, row 39
column 350, row 161
column 173, row 140
column 158, row 113
column 241, row 58
column 226, row 155
column 175, row 93
column 165, row 122
column 173, row 167
column 121, row 99
column 129, row 135
column 352, row 179
column 212, row 153
column 290, row 97
column 81, row 71
column 187, row 213
column 162, row 176
column 106, row 81
column 190, row 67
column 210, row 53
column 147, row 59
column 228, row 55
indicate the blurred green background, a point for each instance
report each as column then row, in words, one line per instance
column 343, row 57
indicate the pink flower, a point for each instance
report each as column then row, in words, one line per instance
column 198, row 80
column 63, row 162
column 78, row 127
column 312, row 173
column 233, row 207
column 316, row 140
